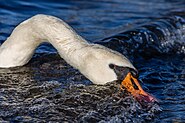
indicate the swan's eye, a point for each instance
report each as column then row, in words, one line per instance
column 111, row 66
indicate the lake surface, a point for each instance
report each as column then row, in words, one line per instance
column 150, row 33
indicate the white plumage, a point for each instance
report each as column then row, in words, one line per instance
column 92, row 60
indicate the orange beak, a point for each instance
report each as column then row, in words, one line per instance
column 132, row 85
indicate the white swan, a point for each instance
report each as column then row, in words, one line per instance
column 97, row 63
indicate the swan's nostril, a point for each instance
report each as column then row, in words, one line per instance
column 134, row 84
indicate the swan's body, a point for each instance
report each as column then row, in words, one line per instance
column 97, row 63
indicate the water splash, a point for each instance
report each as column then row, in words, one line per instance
column 78, row 103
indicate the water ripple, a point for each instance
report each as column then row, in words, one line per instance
column 150, row 33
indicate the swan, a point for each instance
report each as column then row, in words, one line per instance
column 97, row 63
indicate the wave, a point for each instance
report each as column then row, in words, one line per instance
column 163, row 36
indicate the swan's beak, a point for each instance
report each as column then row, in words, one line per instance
column 132, row 85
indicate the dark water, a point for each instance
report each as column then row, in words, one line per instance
column 150, row 33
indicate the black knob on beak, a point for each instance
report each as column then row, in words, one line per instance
column 134, row 73
column 122, row 72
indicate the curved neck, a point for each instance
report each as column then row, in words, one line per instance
column 18, row 49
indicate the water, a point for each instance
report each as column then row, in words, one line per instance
column 150, row 33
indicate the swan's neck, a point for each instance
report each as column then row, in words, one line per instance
column 18, row 49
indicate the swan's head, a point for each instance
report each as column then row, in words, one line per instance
column 128, row 78
column 103, row 65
